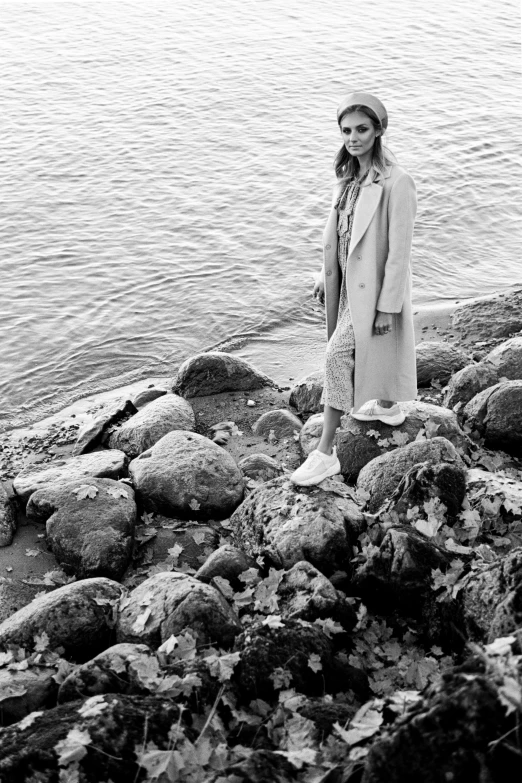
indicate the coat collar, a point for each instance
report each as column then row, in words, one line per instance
column 367, row 203
column 379, row 177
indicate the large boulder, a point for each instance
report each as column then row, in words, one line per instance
column 285, row 524
column 144, row 429
column 264, row 649
column 7, row 518
column 90, row 527
column 381, row 477
column 468, row 382
column 396, row 576
column 453, row 733
column 305, row 594
column 358, row 442
column 438, row 360
column 77, row 617
column 99, row 739
column 214, row 372
column 99, row 464
column 496, row 316
column 281, row 423
column 305, row 396
column 491, row 598
column 147, row 395
column 186, row 475
column 122, row 668
column 507, row 358
column 496, row 414
column 171, row 602
column 310, row 434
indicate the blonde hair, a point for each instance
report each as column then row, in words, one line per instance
column 347, row 166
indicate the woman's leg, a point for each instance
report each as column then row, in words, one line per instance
column 332, row 419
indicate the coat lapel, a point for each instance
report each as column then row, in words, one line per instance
column 364, row 211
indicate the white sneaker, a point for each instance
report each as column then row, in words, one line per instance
column 372, row 411
column 316, row 468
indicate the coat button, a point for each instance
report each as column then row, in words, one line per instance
column 361, row 285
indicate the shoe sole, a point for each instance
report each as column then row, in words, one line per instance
column 333, row 471
column 393, row 421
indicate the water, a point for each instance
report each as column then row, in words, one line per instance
column 167, row 172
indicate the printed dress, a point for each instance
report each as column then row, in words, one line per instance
column 340, row 352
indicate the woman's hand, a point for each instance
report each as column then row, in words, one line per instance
column 383, row 322
column 319, row 288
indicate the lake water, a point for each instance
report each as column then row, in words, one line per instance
column 167, row 172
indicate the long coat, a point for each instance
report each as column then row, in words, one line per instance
column 378, row 277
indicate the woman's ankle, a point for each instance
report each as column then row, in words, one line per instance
column 386, row 403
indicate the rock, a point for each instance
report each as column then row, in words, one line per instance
column 162, row 415
column 281, row 423
column 89, row 536
column 496, row 316
column 91, row 435
column 7, row 518
column 304, row 593
column 451, row 734
column 382, row 476
column 22, row 692
column 260, row 467
column 145, row 396
column 468, row 382
column 507, row 359
column 77, row 617
column 424, row 482
column 186, row 475
column 286, row 524
column 171, row 602
column 496, row 414
column 114, row 727
column 214, row 372
column 100, row 464
column 264, row 649
column 228, row 562
column 438, row 360
column 310, row 435
column 305, row 396
column 358, row 442
column 491, row 598
column 396, row 576
column 122, row 668
column 497, row 497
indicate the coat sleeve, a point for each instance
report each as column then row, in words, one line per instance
column 402, row 207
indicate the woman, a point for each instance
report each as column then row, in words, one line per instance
column 366, row 277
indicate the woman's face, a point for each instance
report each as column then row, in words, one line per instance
column 358, row 133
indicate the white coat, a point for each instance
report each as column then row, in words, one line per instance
column 378, row 277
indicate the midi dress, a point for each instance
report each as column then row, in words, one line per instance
column 338, row 390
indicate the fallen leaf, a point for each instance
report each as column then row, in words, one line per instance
column 194, row 505
column 141, row 620
column 273, row 621
column 32, row 552
column 86, row 491
column 199, row 537
column 73, row 747
column 117, row 492
column 314, row 662
column 174, row 552
column 93, row 706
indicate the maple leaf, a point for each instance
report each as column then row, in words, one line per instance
column 510, row 694
column 174, row 552
column 199, row 537
column 117, row 492
column 383, row 443
column 32, row 552
column 399, row 438
column 373, row 434
column 222, row 666
column 281, row 678
column 273, row 621
column 41, row 642
column 159, row 762
column 365, row 723
column 73, row 747
column 147, row 519
column 86, row 491
column 28, row 720
column 314, row 662
column 194, row 505
column 141, row 620
column 93, row 706
column 329, row 626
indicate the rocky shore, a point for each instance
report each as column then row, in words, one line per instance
column 173, row 608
